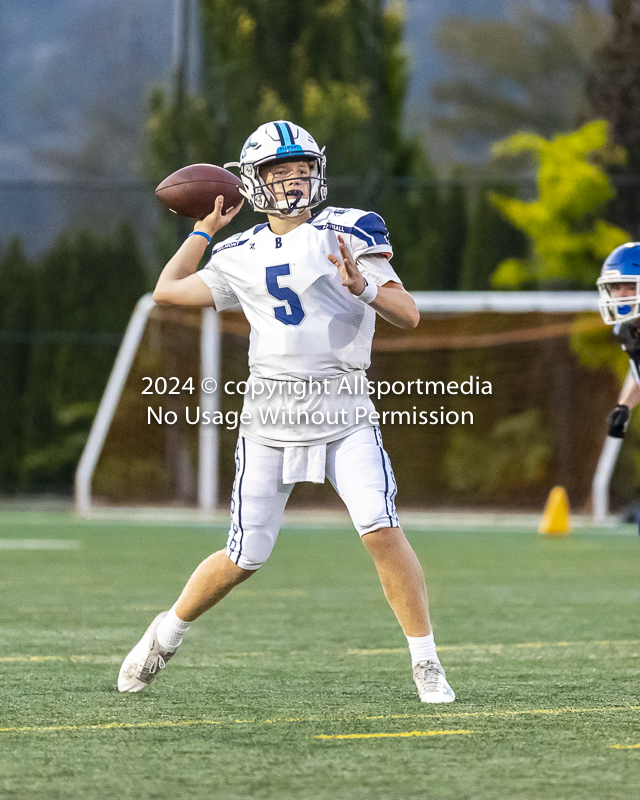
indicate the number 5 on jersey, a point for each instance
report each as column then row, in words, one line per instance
column 295, row 314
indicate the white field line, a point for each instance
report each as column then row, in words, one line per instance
column 55, row 514
column 39, row 544
column 319, row 519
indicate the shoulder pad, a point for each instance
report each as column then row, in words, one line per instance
column 342, row 216
column 365, row 225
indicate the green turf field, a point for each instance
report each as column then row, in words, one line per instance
column 299, row 686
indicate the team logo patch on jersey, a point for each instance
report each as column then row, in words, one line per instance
column 227, row 245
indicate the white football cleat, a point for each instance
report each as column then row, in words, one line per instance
column 432, row 683
column 144, row 662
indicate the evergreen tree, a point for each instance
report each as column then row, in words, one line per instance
column 490, row 240
column 614, row 94
column 16, row 321
column 270, row 59
column 265, row 59
column 455, row 228
column 85, row 291
column 412, row 214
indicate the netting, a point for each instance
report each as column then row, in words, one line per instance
column 481, row 410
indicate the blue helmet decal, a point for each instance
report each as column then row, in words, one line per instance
column 289, row 149
column 285, row 133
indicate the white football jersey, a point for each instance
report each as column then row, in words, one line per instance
column 304, row 322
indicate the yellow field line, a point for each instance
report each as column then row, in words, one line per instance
column 625, row 746
column 280, row 720
column 387, row 735
column 505, row 713
column 166, row 724
column 101, row 659
column 112, row 726
column 97, row 659
column 33, row 658
column 496, row 647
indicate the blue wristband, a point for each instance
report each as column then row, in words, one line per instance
column 200, row 233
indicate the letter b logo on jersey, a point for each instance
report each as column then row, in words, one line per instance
column 278, row 242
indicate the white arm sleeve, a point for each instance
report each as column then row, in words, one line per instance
column 377, row 269
column 223, row 295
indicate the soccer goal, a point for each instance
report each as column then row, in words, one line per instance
column 492, row 400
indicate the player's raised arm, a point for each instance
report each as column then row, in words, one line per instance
column 391, row 301
column 178, row 284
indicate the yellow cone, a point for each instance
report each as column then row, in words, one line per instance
column 555, row 520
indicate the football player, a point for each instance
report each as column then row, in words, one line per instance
column 619, row 304
column 310, row 287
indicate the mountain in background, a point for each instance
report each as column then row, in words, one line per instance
column 77, row 72
column 75, row 77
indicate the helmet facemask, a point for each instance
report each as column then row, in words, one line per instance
column 616, row 309
column 294, row 199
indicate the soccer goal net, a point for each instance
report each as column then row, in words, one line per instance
column 490, row 402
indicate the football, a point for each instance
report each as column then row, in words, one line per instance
column 192, row 191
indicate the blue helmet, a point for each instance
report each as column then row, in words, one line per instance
column 620, row 278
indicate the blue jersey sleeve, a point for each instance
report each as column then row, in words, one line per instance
column 372, row 229
column 364, row 231
column 369, row 236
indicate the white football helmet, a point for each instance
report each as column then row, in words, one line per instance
column 281, row 141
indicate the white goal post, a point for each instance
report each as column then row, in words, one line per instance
column 210, row 356
column 208, row 443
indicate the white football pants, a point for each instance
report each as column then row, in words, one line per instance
column 357, row 466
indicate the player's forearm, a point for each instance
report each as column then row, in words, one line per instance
column 397, row 307
column 630, row 395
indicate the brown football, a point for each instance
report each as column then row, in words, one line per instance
column 192, row 191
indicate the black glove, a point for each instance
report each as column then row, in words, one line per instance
column 617, row 421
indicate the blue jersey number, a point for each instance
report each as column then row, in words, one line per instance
column 295, row 314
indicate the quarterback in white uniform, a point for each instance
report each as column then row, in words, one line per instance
column 310, row 287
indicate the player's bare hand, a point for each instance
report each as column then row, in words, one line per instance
column 218, row 218
column 351, row 276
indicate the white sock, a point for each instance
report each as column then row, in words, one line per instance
column 170, row 630
column 422, row 648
